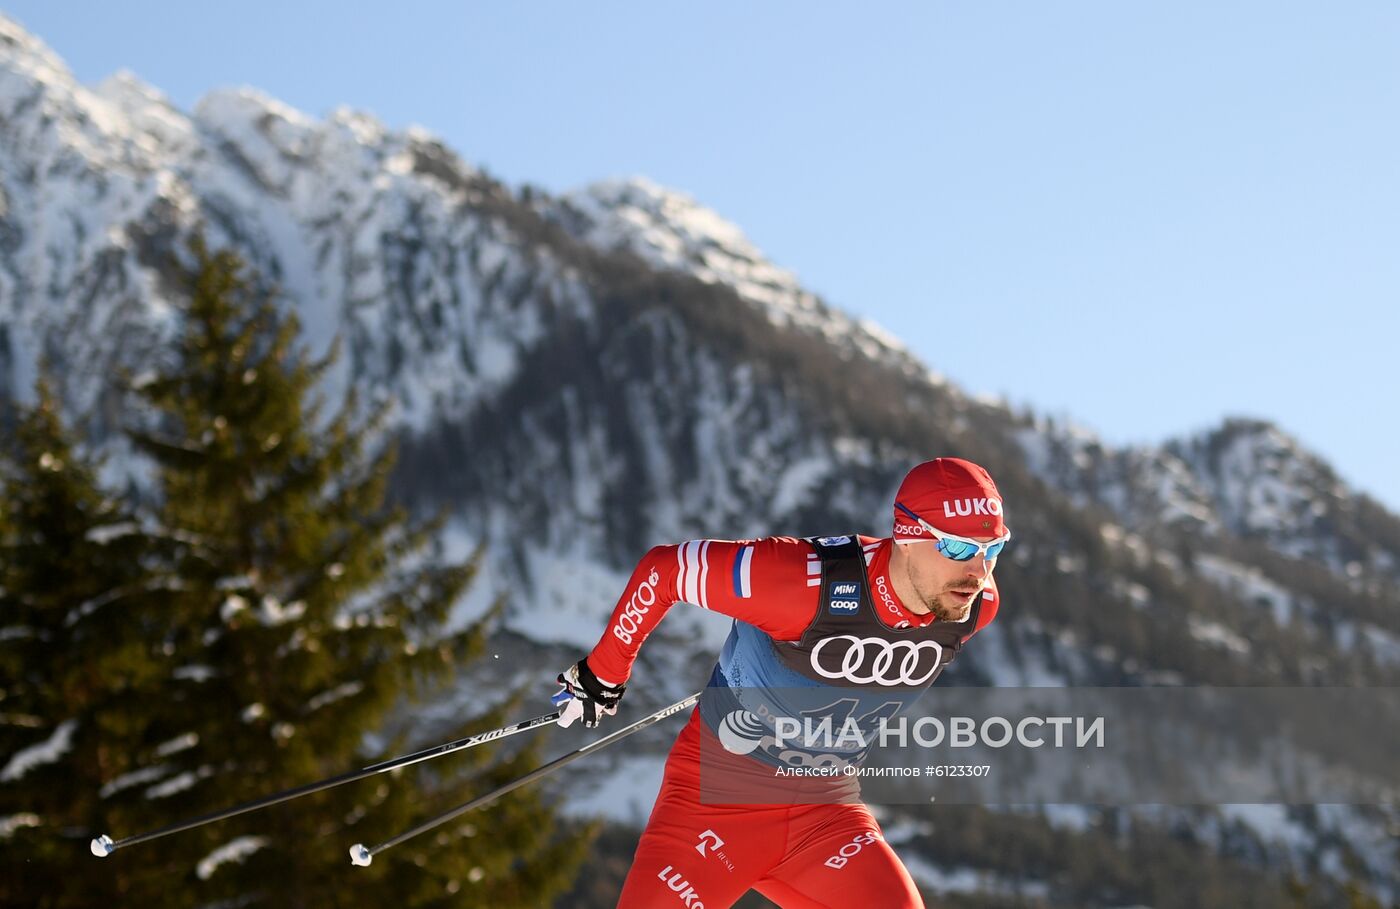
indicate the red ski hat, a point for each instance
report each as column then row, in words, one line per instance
column 954, row 495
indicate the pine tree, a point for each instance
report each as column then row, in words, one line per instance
column 287, row 616
column 82, row 672
column 321, row 613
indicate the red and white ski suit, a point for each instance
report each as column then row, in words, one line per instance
column 695, row 855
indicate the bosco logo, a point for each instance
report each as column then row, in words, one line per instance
column 637, row 606
column 852, row 849
column 882, row 587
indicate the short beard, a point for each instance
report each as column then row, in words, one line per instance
column 953, row 613
column 934, row 604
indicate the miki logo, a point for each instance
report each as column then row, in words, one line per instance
column 844, row 589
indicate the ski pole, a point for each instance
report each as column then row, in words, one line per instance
column 104, row 845
column 362, row 856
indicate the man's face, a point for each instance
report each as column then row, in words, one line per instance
column 942, row 586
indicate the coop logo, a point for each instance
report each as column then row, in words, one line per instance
column 682, row 887
column 852, row 849
column 845, row 598
column 637, row 606
column 961, row 508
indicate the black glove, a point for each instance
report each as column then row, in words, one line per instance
column 583, row 695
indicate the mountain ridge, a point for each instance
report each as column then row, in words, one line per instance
column 581, row 376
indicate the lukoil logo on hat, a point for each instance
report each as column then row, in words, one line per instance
column 952, row 494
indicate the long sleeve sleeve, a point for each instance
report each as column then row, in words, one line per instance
column 770, row 583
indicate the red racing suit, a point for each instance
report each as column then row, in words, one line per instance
column 694, row 854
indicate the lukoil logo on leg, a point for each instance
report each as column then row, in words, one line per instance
column 684, row 891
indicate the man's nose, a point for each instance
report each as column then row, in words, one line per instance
column 979, row 568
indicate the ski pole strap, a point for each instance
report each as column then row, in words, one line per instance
column 362, row 855
column 104, row 845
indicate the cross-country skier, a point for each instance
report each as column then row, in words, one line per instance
column 843, row 621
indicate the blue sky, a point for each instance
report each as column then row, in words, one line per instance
column 1144, row 217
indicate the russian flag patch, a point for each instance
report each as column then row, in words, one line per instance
column 743, row 576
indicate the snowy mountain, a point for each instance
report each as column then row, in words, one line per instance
column 1246, row 478
column 582, row 376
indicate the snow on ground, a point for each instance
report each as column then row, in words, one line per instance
column 12, row 822
column 670, row 230
column 1384, row 645
column 578, row 593
column 795, row 483
column 232, row 851
column 179, row 783
column 195, row 672
column 1270, row 822
column 1263, row 482
column 349, row 689
column 941, row 880
column 969, row 880
column 901, row 831
column 1373, row 842
column 1069, row 817
column 625, row 793
column 134, row 778
column 1030, row 668
column 45, row 752
column 1249, row 584
column 1216, row 634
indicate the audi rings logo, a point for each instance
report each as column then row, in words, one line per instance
column 875, row 661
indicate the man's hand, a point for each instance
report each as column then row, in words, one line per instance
column 585, row 695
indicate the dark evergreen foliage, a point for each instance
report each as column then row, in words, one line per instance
column 243, row 637
column 84, row 674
